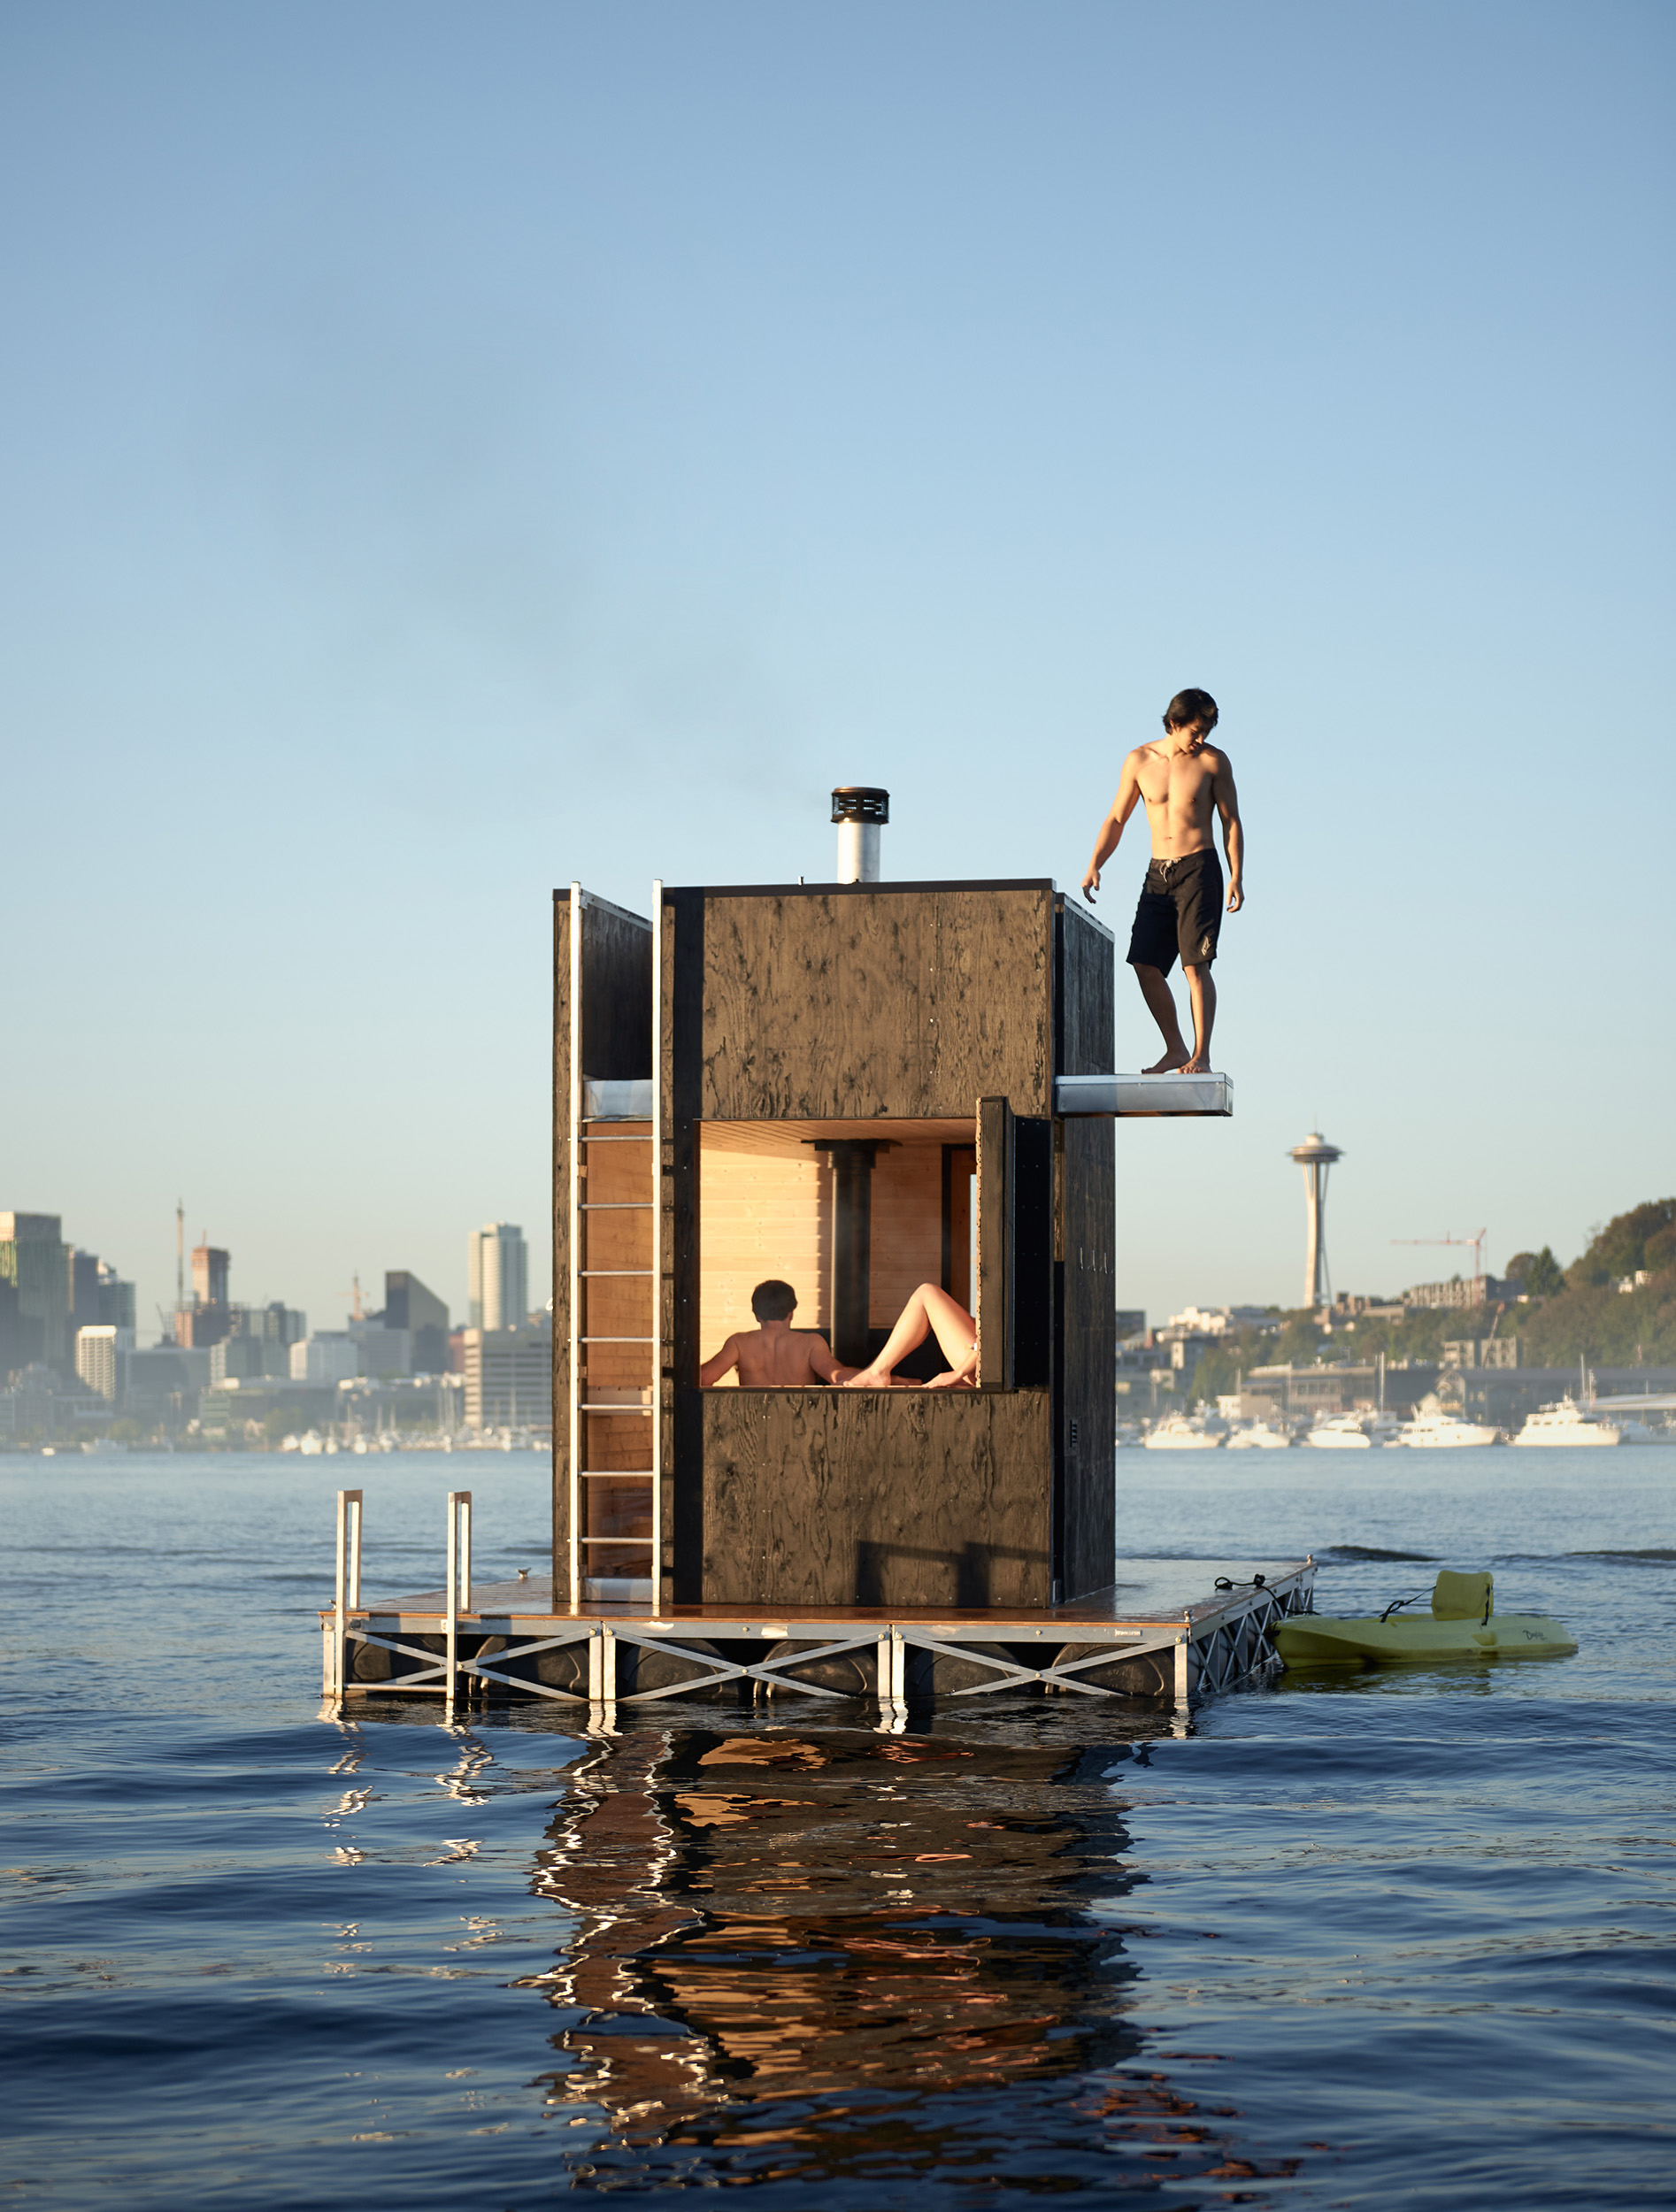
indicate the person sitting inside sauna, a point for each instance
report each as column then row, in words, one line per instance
column 775, row 1356
column 930, row 1311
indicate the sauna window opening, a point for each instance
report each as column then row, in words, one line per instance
column 854, row 1215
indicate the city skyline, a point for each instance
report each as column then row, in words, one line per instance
column 447, row 457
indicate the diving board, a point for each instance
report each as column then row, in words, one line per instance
column 1121, row 1096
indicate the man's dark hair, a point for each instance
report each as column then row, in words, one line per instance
column 1189, row 707
column 773, row 1301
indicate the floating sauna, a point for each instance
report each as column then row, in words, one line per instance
column 854, row 1088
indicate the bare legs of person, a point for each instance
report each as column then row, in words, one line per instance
column 1161, row 1005
column 1201, row 991
column 929, row 1311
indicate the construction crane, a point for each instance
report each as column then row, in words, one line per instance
column 1477, row 1244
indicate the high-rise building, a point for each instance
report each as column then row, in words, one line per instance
column 98, row 1357
column 209, row 1266
column 209, row 1317
column 382, row 1351
column 508, row 1376
column 409, row 1305
column 35, row 1262
column 116, row 1299
column 498, row 1277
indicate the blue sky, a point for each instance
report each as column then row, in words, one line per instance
column 448, row 452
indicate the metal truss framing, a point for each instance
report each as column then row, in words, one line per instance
column 455, row 1651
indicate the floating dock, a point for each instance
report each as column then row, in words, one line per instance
column 847, row 1089
column 1165, row 1630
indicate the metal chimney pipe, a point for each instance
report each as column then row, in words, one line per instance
column 860, row 811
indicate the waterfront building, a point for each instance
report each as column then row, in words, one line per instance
column 328, row 1356
column 162, row 1384
column 508, row 1376
column 1487, row 1351
column 1320, row 1389
column 35, row 1322
column 497, row 1277
column 98, row 1357
column 410, row 1305
column 383, row 1351
column 238, row 1359
column 1461, row 1291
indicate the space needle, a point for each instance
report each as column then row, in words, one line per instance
column 1315, row 1156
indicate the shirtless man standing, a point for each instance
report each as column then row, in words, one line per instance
column 1182, row 780
column 775, row 1356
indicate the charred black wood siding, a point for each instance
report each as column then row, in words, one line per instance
column 911, row 1497
column 1085, row 1294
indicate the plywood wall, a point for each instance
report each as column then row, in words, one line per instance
column 761, row 1215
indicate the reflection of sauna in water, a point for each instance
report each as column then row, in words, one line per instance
column 780, row 1935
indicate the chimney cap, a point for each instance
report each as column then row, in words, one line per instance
column 860, row 803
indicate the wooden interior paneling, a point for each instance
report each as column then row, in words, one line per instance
column 766, row 1213
column 959, row 1171
column 902, row 1497
column 907, row 1226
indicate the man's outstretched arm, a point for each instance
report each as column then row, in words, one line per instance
column 825, row 1363
column 712, row 1371
column 1111, row 828
column 1228, row 805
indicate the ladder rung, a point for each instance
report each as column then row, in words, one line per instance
column 618, row 1206
column 613, row 1271
column 646, row 1540
column 581, row 1138
column 617, row 1340
column 643, row 1412
column 619, row 1474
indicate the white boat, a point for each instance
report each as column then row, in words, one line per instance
column 1259, row 1436
column 1433, row 1430
column 1184, row 1433
column 1349, row 1433
column 311, row 1444
column 1638, row 1432
column 1567, row 1423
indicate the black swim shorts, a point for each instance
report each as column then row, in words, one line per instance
column 1179, row 912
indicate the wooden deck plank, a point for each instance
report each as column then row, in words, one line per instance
column 1148, row 1594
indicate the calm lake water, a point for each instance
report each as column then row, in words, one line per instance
column 1393, row 1938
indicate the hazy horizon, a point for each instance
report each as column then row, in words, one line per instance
column 449, row 454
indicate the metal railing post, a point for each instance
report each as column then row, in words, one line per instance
column 349, row 1581
column 452, row 1592
column 657, row 1246
column 574, row 1292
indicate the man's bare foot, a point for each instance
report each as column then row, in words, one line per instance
column 1199, row 1064
column 1171, row 1062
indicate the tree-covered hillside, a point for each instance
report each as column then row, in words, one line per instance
column 1566, row 1314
